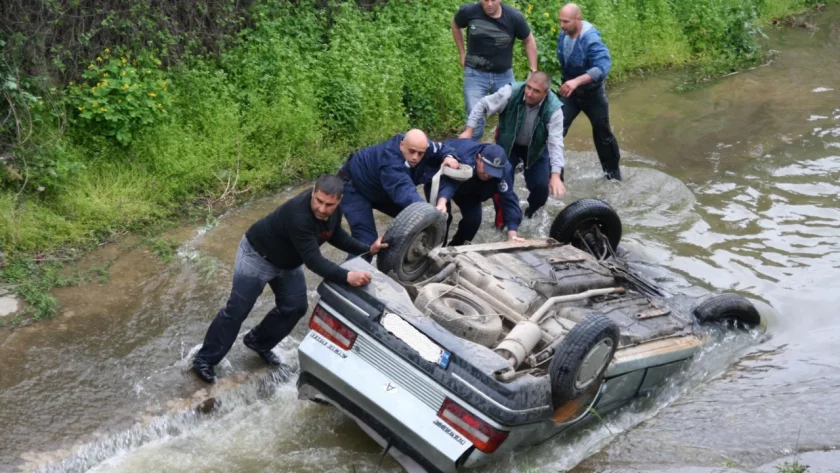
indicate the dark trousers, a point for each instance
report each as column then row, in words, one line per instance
column 470, row 219
column 536, row 176
column 250, row 275
column 358, row 211
column 593, row 103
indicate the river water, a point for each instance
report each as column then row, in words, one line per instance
column 729, row 187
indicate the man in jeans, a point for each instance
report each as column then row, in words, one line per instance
column 586, row 62
column 491, row 30
column 273, row 251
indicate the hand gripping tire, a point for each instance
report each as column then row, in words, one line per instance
column 412, row 234
column 580, row 222
column 582, row 357
column 727, row 308
column 460, row 312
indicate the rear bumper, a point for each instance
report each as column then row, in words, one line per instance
column 383, row 404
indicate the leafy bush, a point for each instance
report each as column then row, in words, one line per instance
column 121, row 95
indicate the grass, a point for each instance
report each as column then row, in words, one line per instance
column 788, row 467
column 34, row 281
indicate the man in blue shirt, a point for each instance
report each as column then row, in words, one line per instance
column 492, row 174
column 385, row 177
column 585, row 61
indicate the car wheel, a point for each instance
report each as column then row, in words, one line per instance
column 460, row 312
column 582, row 357
column 412, row 234
column 588, row 224
column 729, row 309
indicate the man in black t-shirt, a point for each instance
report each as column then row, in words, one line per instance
column 492, row 28
column 273, row 251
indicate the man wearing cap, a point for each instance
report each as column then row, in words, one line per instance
column 530, row 132
column 385, row 177
column 492, row 174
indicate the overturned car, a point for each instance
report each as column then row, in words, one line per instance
column 455, row 356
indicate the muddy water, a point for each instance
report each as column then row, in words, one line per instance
column 732, row 187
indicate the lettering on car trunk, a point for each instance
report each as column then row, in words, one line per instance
column 327, row 344
column 450, row 432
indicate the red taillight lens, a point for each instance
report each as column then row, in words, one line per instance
column 481, row 434
column 331, row 328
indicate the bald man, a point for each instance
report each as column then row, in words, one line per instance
column 385, row 177
column 585, row 61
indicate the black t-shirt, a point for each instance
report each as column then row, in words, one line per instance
column 490, row 40
column 291, row 235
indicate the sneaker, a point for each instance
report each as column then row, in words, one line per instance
column 267, row 355
column 204, row 371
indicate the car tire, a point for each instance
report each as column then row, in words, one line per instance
column 412, row 234
column 584, row 215
column 463, row 314
column 582, row 357
column 727, row 308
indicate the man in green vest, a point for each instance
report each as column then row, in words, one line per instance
column 531, row 133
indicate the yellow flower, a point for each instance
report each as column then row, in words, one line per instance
column 122, row 73
column 159, row 105
column 119, row 100
column 98, row 58
column 95, row 105
column 546, row 14
column 103, row 109
column 107, row 51
column 90, row 66
column 72, row 83
column 530, row 8
column 125, row 86
column 152, row 94
column 81, row 107
column 105, row 75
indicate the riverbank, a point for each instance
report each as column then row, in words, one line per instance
column 297, row 90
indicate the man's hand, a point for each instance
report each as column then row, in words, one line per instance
column 463, row 61
column 466, row 134
column 377, row 245
column 568, row 87
column 441, row 205
column 555, row 186
column 512, row 236
column 450, row 162
column 358, row 278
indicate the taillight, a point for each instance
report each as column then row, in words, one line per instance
column 485, row 437
column 330, row 327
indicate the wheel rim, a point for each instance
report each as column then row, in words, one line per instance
column 590, row 231
column 415, row 260
column 463, row 307
column 593, row 363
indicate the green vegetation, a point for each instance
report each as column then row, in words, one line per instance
column 794, row 467
column 117, row 119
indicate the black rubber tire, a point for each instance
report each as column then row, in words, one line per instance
column 451, row 307
column 585, row 212
column 727, row 308
column 568, row 360
column 417, row 221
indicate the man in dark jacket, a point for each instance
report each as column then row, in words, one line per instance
column 586, row 62
column 531, row 133
column 385, row 177
column 492, row 174
column 273, row 251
